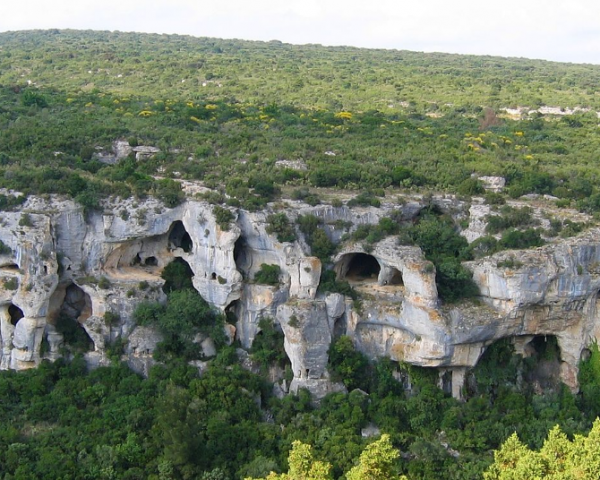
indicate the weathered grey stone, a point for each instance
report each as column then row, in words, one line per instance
column 547, row 291
column 493, row 184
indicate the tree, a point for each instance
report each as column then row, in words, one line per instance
column 558, row 458
column 302, row 466
column 377, row 462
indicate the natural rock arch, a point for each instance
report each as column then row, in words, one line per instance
column 180, row 238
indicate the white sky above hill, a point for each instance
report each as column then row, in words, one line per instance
column 562, row 30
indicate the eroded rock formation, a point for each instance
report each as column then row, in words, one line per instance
column 95, row 269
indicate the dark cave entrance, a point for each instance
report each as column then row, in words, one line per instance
column 231, row 315
column 151, row 261
column 241, row 256
column 445, row 381
column 15, row 313
column 396, row 278
column 75, row 309
column 177, row 275
column 542, row 364
column 544, row 347
column 340, row 327
column 358, row 267
column 180, row 238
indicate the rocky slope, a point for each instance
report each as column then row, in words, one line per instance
column 95, row 269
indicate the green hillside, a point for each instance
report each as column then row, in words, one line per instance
column 225, row 111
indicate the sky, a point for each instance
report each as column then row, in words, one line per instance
column 567, row 31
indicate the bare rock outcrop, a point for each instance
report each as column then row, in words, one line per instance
column 59, row 264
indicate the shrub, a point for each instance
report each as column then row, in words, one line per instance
column 267, row 347
column 484, row 246
column 31, row 98
column 316, row 237
column 268, row 274
column 305, row 195
column 509, row 262
column 5, row 249
column 510, row 218
column 112, row 318
column 347, row 364
column 470, row 186
column 365, row 199
column 516, row 239
column 177, row 276
column 11, row 284
column 329, row 284
column 438, row 238
column 169, row 192
column 8, row 202
column 25, row 220
column 223, row 217
column 494, row 198
column 279, row 225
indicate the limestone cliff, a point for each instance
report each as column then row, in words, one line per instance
column 94, row 269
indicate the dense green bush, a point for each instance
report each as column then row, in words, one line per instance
column 521, row 239
column 347, row 364
column 438, row 238
column 267, row 347
column 185, row 315
column 320, row 244
column 510, row 218
column 329, row 284
column 223, row 217
column 268, row 274
column 5, row 249
column 278, row 224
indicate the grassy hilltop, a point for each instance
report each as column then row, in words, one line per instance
column 225, row 111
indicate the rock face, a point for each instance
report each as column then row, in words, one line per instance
column 60, row 266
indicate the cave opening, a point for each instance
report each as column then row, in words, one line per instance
column 396, row 278
column 542, row 366
column 11, row 267
column 544, row 347
column 177, row 276
column 180, row 238
column 75, row 309
column 231, row 312
column 340, row 327
column 358, row 267
column 241, row 256
column 445, row 381
column 151, row 261
column 77, row 304
column 15, row 313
